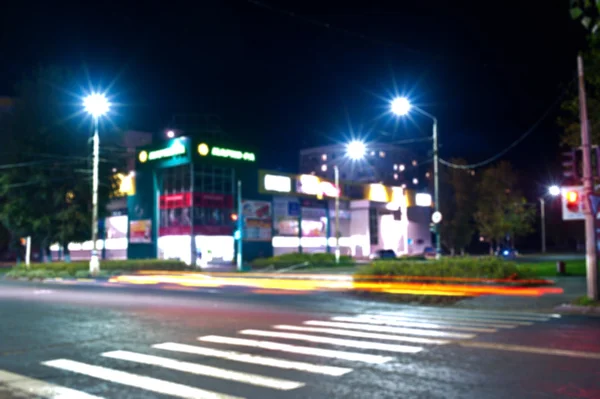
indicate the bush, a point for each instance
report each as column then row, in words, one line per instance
column 484, row 267
column 80, row 269
column 295, row 258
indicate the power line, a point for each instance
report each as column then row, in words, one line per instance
column 511, row 146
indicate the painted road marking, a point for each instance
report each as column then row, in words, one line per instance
column 409, row 322
column 445, row 323
column 199, row 369
column 335, row 341
column 500, row 313
column 302, row 350
column 412, row 331
column 531, row 349
column 42, row 292
column 254, row 359
column 40, row 389
column 360, row 334
column 135, row 380
column 508, row 318
column 471, row 319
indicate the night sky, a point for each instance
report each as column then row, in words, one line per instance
column 293, row 74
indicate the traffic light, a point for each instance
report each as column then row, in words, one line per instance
column 570, row 165
column 572, row 198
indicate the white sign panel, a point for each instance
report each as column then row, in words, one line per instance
column 576, row 214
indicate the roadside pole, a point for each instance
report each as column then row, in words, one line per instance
column 337, row 214
column 28, row 251
column 240, row 226
column 588, row 189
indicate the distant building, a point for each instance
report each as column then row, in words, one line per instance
column 382, row 163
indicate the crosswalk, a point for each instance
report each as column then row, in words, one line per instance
column 346, row 341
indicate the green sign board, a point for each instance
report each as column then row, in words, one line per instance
column 221, row 152
column 176, row 152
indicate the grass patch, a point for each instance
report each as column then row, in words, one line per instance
column 81, row 269
column 585, row 301
column 484, row 267
column 548, row 268
column 317, row 260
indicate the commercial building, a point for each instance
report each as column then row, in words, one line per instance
column 182, row 203
column 384, row 163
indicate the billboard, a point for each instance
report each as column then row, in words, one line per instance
column 140, row 231
column 258, row 220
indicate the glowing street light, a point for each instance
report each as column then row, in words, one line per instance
column 401, row 106
column 170, row 134
column 554, row 190
column 97, row 105
column 356, row 150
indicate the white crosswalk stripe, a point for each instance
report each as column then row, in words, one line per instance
column 360, row 334
column 40, row 389
column 193, row 368
column 499, row 313
column 475, row 325
column 490, row 316
column 335, row 341
column 410, row 331
column 402, row 323
column 473, row 320
column 301, row 350
column 254, row 359
column 135, row 380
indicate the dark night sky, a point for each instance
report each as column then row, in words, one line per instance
column 488, row 71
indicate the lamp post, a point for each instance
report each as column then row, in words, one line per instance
column 355, row 150
column 96, row 105
column 553, row 191
column 401, row 106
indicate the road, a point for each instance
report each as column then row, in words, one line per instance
column 62, row 341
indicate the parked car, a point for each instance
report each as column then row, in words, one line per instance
column 384, row 254
column 429, row 253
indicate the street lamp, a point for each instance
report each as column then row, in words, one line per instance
column 401, row 106
column 95, row 104
column 553, row 191
column 355, row 150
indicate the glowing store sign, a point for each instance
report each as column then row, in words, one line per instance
column 278, row 183
column 176, row 149
column 312, row 185
column 233, row 154
column 423, row 199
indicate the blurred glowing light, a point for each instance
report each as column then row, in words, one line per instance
column 356, row 150
column 400, row 106
column 96, row 104
column 554, row 190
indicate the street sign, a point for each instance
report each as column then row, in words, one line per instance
column 436, row 217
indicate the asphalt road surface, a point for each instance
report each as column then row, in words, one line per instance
column 59, row 341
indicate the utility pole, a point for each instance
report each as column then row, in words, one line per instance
column 543, row 217
column 588, row 189
column 240, row 225
column 94, row 260
column 436, row 189
column 336, row 172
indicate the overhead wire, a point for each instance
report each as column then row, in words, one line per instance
column 512, row 145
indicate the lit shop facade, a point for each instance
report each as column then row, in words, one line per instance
column 186, row 190
column 371, row 216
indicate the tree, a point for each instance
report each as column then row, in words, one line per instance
column 45, row 187
column 457, row 206
column 501, row 211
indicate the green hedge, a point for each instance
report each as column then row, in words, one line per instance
column 484, row 267
column 291, row 259
column 80, row 269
